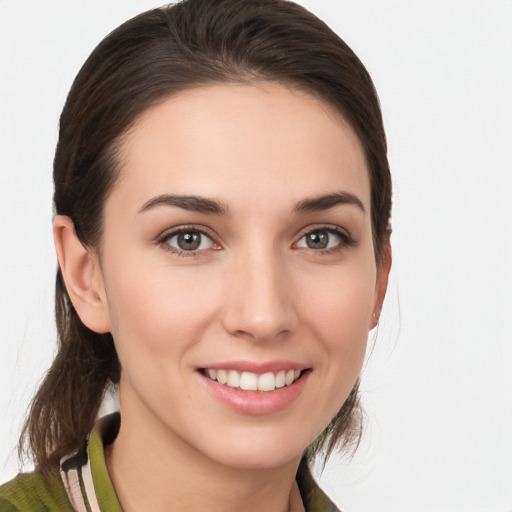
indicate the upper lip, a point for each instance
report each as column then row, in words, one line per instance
column 256, row 367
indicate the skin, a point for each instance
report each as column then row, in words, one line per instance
column 254, row 291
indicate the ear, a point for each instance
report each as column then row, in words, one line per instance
column 381, row 284
column 82, row 276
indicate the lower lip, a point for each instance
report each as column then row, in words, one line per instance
column 257, row 402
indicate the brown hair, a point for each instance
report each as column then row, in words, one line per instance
column 148, row 58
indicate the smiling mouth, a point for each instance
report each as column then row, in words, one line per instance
column 248, row 381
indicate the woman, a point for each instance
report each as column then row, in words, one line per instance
column 222, row 199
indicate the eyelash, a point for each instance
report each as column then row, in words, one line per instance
column 345, row 240
column 163, row 241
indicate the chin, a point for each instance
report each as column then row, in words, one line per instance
column 253, row 450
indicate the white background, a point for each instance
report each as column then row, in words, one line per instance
column 438, row 386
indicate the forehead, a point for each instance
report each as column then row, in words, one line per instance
column 265, row 141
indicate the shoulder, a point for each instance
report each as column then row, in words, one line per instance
column 34, row 492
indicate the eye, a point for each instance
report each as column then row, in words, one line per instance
column 188, row 240
column 323, row 239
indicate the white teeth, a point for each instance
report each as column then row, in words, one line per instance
column 233, row 379
column 249, row 381
column 280, row 379
column 267, row 382
column 222, row 376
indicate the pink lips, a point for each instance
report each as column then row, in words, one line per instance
column 249, row 366
column 257, row 402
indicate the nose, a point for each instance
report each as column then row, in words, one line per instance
column 259, row 302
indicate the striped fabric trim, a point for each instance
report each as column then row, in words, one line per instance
column 71, row 480
column 89, row 485
column 77, row 479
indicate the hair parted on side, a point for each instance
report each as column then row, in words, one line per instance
column 150, row 57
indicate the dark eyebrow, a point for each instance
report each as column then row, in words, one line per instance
column 191, row 203
column 325, row 202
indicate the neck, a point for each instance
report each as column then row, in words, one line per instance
column 152, row 470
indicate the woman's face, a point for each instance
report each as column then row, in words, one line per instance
column 237, row 245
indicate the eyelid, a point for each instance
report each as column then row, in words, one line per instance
column 346, row 238
column 332, row 228
column 180, row 228
column 169, row 233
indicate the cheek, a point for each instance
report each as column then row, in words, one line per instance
column 158, row 312
column 341, row 311
column 340, row 318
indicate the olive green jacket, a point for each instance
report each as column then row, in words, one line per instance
column 87, row 474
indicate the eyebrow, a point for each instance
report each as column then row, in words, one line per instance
column 328, row 201
column 212, row 206
column 190, row 203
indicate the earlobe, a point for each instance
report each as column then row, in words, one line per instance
column 82, row 276
column 381, row 284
